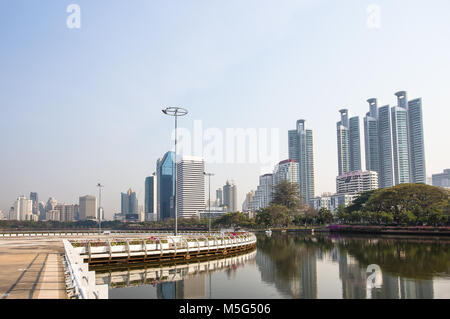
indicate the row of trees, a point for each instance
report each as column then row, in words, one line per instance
column 405, row 204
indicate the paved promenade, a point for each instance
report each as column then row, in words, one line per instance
column 32, row 268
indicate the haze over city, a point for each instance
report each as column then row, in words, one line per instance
column 82, row 106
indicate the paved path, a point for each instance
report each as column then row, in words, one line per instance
column 31, row 269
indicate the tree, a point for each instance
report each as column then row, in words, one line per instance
column 287, row 194
column 359, row 202
column 274, row 215
column 324, row 216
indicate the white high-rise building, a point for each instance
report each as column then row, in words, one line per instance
column 349, row 144
column 400, row 138
column 88, row 208
column 286, row 171
column 399, row 156
column 301, row 150
column 23, row 208
column 356, row 182
column 264, row 193
column 190, row 194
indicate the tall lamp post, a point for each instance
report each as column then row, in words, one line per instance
column 209, row 200
column 99, row 208
column 175, row 112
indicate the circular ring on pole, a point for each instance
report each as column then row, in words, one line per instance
column 175, row 111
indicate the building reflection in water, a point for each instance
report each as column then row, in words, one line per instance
column 291, row 267
column 289, row 262
column 303, row 266
column 188, row 288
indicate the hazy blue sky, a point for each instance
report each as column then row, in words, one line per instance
column 80, row 106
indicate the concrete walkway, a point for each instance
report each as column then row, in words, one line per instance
column 31, row 270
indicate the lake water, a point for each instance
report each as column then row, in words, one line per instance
column 300, row 266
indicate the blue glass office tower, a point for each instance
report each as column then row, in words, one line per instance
column 165, row 172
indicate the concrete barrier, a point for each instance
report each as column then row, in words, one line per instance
column 80, row 280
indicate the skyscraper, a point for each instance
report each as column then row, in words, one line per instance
column 23, row 208
column 416, row 142
column 400, row 144
column 230, row 196
column 219, row 197
column 129, row 203
column 349, row 144
column 301, row 151
column 165, row 171
column 264, row 193
column 35, row 199
column 371, row 137
column 190, row 187
column 66, row 212
column 286, row 171
column 386, row 176
column 151, row 192
column 88, row 208
column 401, row 154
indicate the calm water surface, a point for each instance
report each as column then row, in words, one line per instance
column 300, row 266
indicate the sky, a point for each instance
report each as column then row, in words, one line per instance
column 83, row 105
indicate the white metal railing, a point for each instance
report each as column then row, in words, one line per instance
column 80, row 279
column 85, row 233
column 161, row 245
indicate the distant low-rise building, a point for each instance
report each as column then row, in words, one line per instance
column 53, row 215
column 66, row 212
column 356, row 182
column 332, row 202
column 442, row 179
column 215, row 212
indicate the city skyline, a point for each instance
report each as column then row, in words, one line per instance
column 75, row 117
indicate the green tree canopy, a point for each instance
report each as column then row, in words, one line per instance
column 287, row 194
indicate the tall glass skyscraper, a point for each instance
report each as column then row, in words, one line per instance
column 386, row 176
column 371, row 137
column 35, row 199
column 230, row 196
column 400, row 144
column 349, row 143
column 301, row 150
column 151, row 198
column 416, row 142
column 129, row 203
column 400, row 152
column 165, row 172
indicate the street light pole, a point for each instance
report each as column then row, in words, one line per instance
column 175, row 111
column 99, row 208
column 209, row 200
